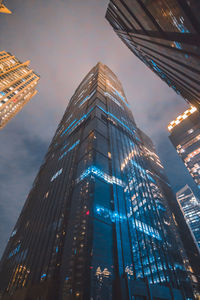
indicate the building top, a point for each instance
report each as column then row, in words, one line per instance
column 4, row 9
column 181, row 117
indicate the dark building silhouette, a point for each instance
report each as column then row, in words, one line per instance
column 96, row 224
column 165, row 35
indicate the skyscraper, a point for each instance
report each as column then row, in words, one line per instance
column 165, row 35
column 96, row 224
column 185, row 137
column 190, row 206
column 17, row 86
column 4, row 9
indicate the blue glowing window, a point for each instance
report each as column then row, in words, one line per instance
column 95, row 171
column 178, row 45
column 109, row 214
column 78, row 122
column 182, row 28
column 56, row 175
column 43, row 276
column 71, row 148
column 68, row 127
column 15, row 251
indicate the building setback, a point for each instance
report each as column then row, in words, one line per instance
column 190, row 207
column 96, row 224
column 165, row 35
column 17, row 86
column 185, row 137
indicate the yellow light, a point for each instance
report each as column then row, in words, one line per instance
column 4, row 9
column 181, row 117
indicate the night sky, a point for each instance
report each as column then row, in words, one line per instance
column 64, row 39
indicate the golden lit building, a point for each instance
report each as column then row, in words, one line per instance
column 4, row 9
column 185, row 136
column 17, row 86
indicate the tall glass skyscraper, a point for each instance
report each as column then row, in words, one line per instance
column 165, row 35
column 190, row 206
column 96, row 224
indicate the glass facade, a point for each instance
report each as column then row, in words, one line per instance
column 165, row 35
column 17, row 86
column 185, row 137
column 96, row 224
column 190, row 206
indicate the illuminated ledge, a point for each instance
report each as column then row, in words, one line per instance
column 182, row 117
column 4, row 9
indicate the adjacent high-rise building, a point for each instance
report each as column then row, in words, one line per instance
column 17, row 86
column 4, row 9
column 96, row 223
column 185, row 136
column 190, row 207
column 165, row 35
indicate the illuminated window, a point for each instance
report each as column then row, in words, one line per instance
column 56, row 174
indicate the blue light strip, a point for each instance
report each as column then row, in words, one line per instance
column 109, row 214
column 147, row 229
column 65, row 146
column 43, row 276
column 95, row 171
column 68, row 127
column 84, row 100
column 71, row 148
column 78, row 122
column 119, row 121
column 87, row 98
column 178, row 45
column 15, row 251
column 115, row 216
column 119, row 95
